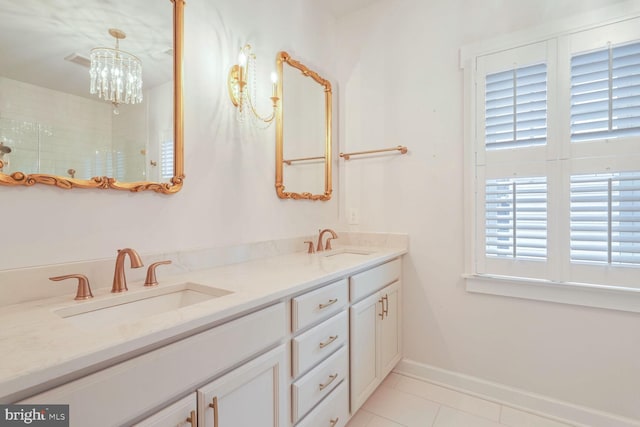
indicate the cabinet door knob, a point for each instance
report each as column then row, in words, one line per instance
column 333, row 422
column 329, row 341
column 382, row 312
column 332, row 378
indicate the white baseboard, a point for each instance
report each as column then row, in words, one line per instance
column 516, row 398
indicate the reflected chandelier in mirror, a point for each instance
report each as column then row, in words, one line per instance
column 303, row 132
column 70, row 118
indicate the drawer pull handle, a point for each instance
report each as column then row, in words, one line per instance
column 382, row 312
column 332, row 378
column 332, row 423
column 386, row 305
column 329, row 341
column 192, row 419
column 331, row 301
column 214, row 405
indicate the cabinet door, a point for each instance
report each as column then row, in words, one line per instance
column 182, row 413
column 390, row 344
column 365, row 375
column 251, row 395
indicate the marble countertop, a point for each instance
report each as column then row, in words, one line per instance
column 40, row 349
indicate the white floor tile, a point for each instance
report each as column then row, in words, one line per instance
column 364, row 418
column 360, row 419
column 448, row 397
column 391, row 380
column 516, row 418
column 382, row 422
column 449, row 417
column 406, row 409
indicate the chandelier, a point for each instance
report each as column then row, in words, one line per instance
column 116, row 75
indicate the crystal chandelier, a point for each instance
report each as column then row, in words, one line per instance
column 116, row 75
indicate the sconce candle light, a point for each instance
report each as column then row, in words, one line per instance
column 242, row 90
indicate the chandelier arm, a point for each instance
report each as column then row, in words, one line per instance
column 247, row 88
column 268, row 119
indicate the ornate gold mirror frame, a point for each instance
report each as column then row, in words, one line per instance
column 104, row 182
column 282, row 58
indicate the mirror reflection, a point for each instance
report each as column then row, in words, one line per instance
column 86, row 90
column 303, row 133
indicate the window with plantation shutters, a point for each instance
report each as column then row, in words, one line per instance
column 516, row 108
column 605, row 93
column 516, row 218
column 605, row 218
column 552, row 153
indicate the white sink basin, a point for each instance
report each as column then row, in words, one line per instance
column 346, row 254
column 129, row 306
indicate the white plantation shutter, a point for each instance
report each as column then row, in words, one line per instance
column 103, row 164
column 516, row 108
column 605, row 93
column 516, row 218
column 166, row 159
column 119, row 166
column 605, row 218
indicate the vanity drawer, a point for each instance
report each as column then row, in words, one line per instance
column 332, row 411
column 316, row 305
column 367, row 282
column 318, row 383
column 317, row 343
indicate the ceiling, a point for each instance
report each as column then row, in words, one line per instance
column 38, row 34
column 343, row 7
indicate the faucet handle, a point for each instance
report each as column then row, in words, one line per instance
column 151, row 273
column 327, row 247
column 310, row 249
column 84, row 290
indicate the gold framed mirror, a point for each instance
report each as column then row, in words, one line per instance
column 303, row 140
column 62, row 124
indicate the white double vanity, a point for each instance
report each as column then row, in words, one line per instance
column 290, row 340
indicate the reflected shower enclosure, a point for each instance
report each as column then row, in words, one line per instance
column 56, row 150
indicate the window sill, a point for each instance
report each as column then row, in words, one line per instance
column 609, row 297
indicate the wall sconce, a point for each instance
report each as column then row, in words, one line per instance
column 241, row 83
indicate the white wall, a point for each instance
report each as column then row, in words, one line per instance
column 228, row 196
column 400, row 83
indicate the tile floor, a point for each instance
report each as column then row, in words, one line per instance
column 406, row 402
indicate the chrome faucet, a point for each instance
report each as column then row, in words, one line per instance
column 328, row 245
column 119, row 279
